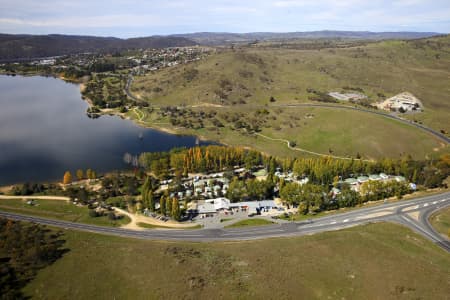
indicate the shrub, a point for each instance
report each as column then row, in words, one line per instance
column 112, row 216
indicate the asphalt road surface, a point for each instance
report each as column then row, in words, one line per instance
column 412, row 213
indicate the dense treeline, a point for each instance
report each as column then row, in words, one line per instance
column 199, row 159
column 429, row 173
column 313, row 198
column 36, row 188
column 25, row 249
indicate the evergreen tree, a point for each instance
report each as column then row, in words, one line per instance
column 162, row 205
column 144, row 191
column 168, row 206
column 150, row 201
column 176, row 213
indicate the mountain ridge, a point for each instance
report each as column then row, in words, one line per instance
column 16, row 47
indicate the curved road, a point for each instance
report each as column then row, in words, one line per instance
column 435, row 133
column 380, row 113
column 412, row 213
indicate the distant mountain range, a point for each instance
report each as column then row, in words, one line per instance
column 17, row 47
column 219, row 38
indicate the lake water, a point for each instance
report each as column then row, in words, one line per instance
column 44, row 131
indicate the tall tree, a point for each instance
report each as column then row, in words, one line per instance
column 67, row 178
column 150, row 201
column 144, row 191
column 168, row 206
column 80, row 174
column 162, row 205
column 176, row 213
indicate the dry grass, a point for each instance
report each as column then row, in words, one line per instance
column 244, row 80
column 378, row 261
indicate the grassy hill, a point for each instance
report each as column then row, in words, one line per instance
column 243, row 80
column 376, row 261
column 221, row 38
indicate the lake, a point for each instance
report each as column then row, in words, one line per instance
column 44, row 131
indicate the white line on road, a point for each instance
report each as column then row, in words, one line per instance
column 411, row 208
column 246, row 233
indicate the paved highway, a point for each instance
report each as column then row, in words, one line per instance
column 412, row 213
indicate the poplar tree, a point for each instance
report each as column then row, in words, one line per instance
column 150, row 201
column 162, row 205
column 144, row 191
column 176, row 213
column 168, row 206
column 67, row 178
column 89, row 173
column 80, row 174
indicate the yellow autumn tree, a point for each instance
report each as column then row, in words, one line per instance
column 67, row 178
column 80, row 174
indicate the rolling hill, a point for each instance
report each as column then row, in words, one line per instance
column 22, row 46
column 220, row 38
column 18, row 47
column 238, row 86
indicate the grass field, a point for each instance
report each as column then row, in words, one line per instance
column 377, row 261
column 441, row 221
column 249, row 222
column 60, row 210
column 238, row 83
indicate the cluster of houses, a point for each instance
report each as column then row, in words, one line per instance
column 355, row 183
column 45, row 62
column 155, row 59
column 205, row 186
column 212, row 189
column 290, row 177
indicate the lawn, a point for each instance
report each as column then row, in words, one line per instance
column 441, row 221
column 60, row 210
column 376, row 261
column 250, row 222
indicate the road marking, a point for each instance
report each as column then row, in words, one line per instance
column 246, row 233
column 411, row 208
column 415, row 215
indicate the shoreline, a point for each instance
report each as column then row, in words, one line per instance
column 114, row 112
